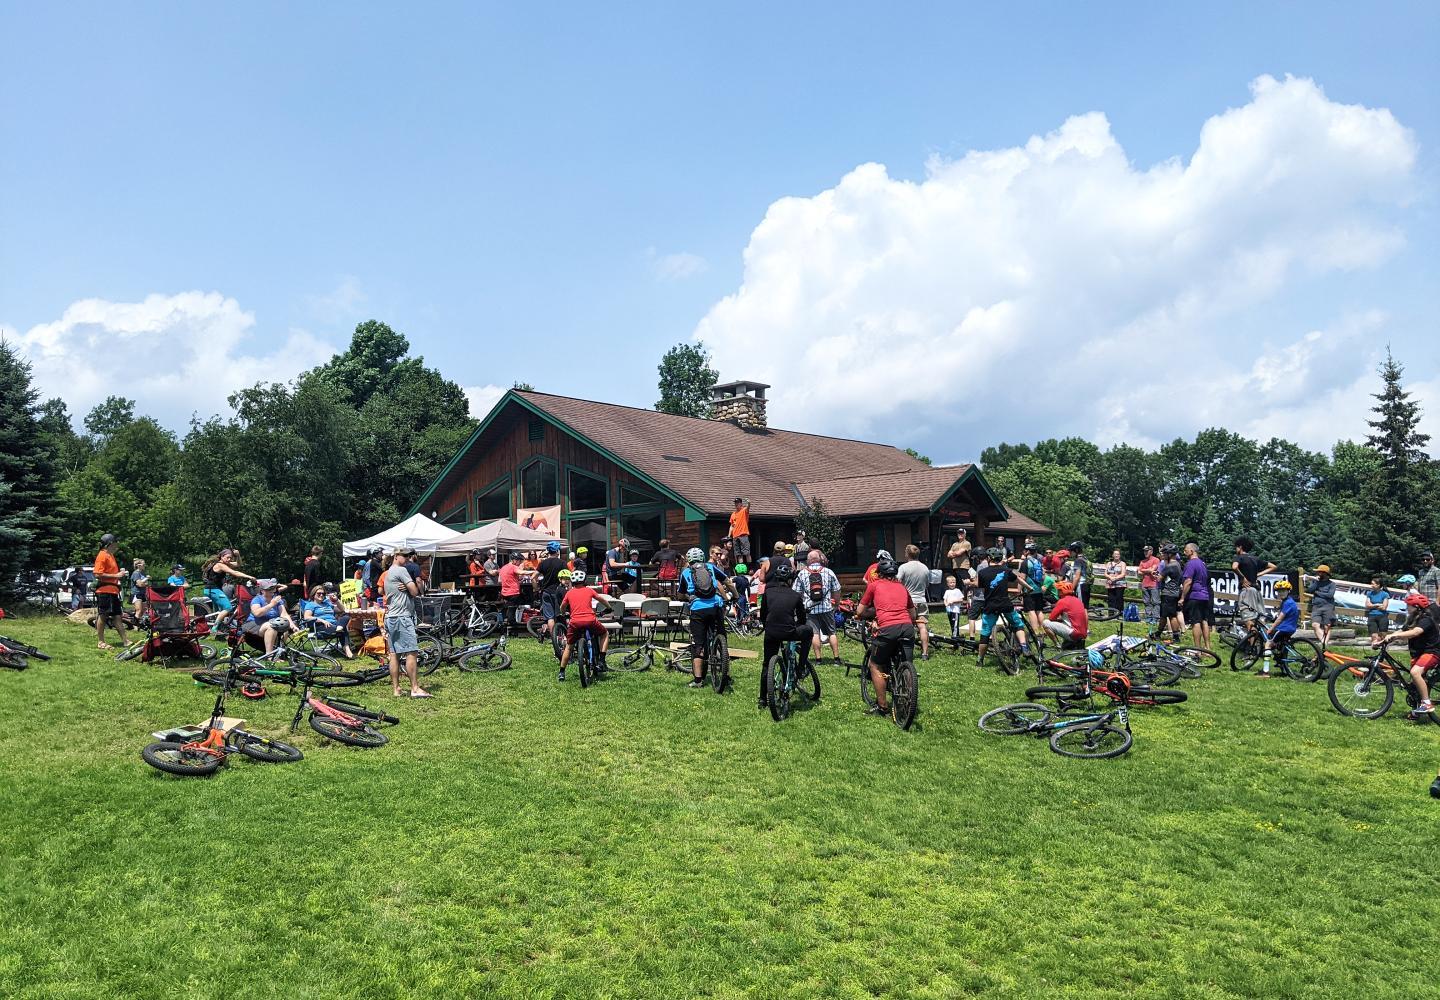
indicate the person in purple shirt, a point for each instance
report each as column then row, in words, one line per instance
column 1196, row 598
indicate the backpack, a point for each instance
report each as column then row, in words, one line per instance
column 702, row 582
column 1132, row 613
column 817, row 587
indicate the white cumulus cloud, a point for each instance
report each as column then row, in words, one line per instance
column 482, row 398
column 1056, row 288
column 176, row 355
column 676, row 266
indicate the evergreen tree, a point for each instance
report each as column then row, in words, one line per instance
column 29, row 525
column 1393, row 521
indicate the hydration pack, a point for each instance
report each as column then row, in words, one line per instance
column 702, row 582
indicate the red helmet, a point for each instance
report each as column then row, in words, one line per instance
column 1417, row 601
column 250, row 689
column 1065, row 588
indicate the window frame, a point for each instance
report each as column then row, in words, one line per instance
column 521, row 500
column 494, row 488
column 570, row 508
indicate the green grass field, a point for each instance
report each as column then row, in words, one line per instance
column 523, row 838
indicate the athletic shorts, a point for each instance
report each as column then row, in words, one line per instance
column 823, row 622
column 1322, row 614
column 703, row 622
column 574, row 631
column 988, row 620
column 1033, row 602
column 888, row 640
column 1198, row 611
column 1169, row 607
column 547, row 605
column 1426, row 661
column 107, row 606
column 401, row 630
column 1376, row 624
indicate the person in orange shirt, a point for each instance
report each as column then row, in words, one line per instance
column 740, row 530
column 107, row 592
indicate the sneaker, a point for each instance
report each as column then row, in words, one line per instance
column 1264, row 675
column 924, row 656
column 877, row 710
column 1418, row 715
column 1435, row 788
column 696, row 682
column 761, row 705
column 560, row 676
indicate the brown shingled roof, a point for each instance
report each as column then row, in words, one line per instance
column 725, row 461
column 893, row 492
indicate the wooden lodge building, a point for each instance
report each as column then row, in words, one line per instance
column 623, row 471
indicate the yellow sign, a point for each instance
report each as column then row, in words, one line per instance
column 350, row 593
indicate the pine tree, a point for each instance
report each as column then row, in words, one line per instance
column 1393, row 520
column 29, row 527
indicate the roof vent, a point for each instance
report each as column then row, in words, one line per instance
column 741, row 403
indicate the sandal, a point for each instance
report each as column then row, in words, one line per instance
column 421, row 694
column 104, row 645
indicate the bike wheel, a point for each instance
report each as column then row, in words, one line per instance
column 904, row 695
column 485, row 623
column 1366, row 695
column 1302, row 661
column 213, row 678
column 808, row 683
column 131, row 651
column 1154, row 671
column 1103, row 613
column 1245, row 655
column 584, row 661
column 175, row 758
column 265, row 750
column 535, row 625
column 720, row 663
column 13, row 661
column 1059, row 692
column 867, row 689
column 779, row 695
column 1091, row 742
column 484, row 660
column 1142, row 695
column 1203, row 658
column 335, row 679
column 342, row 732
column 1011, row 720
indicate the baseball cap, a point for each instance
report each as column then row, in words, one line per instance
column 408, row 553
column 267, row 583
column 1322, row 568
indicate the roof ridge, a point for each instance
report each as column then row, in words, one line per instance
column 862, row 475
column 682, row 416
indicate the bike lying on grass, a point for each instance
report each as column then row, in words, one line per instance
column 1092, row 736
column 16, row 655
column 200, row 752
column 341, row 721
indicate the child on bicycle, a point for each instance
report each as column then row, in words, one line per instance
column 740, row 580
column 1279, row 637
column 579, row 605
column 1422, row 633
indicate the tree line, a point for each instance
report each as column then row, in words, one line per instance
column 1366, row 507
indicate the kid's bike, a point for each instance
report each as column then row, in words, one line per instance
column 1365, row 689
column 16, row 655
column 341, row 721
column 786, row 683
column 1093, row 736
column 200, row 752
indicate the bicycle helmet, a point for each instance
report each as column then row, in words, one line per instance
column 1405, row 580
column 564, row 574
column 552, row 547
column 1283, row 585
column 1097, row 658
column 577, row 576
column 887, row 568
column 1065, row 588
column 694, row 556
column 882, row 556
column 1414, row 601
column 995, row 554
column 741, row 568
column 1118, row 687
column 785, row 571
column 1077, row 547
column 252, row 690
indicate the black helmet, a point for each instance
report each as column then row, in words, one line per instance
column 107, row 539
column 1032, row 547
column 1168, row 549
column 1077, row 546
column 784, row 571
column 887, row 568
column 994, row 554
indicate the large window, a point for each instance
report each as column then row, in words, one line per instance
column 539, row 484
column 643, row 530
column 638, row 496
column 494, row 502
column 588, row 492
column 459, row 515
column 594, row 534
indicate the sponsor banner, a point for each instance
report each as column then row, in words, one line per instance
column 1225, row 585
column 543, row 519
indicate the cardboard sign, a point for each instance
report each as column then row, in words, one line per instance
column 350, row 593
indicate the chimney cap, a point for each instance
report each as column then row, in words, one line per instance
column 728, row 390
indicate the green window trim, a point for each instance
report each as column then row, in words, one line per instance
column 575, row 470
column 493, row 488
column 459, row 514
column 647, row 496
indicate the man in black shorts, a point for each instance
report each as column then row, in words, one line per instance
column 782, row 609
column 1170, row 583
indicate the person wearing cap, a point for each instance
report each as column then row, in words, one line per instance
column 323, row 613
column 1149, row 570
column 581, row 560
column 107, row 592
column 268, row 614
column 1032, row 587
column 872, row 571
column 740, row 530
column 1428, row 581
column 1422, row 631
column 1278, row 639
column 177, row 576
column 510, row 578
column 620, row 568
column 547, row 581
column 1322, row 605
column 579, row 605
column 1068, row 619
column 400, row 591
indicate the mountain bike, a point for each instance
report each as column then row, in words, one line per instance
column 1093, row 736
column 786, row 682
column 902, row 684
column 1299, row 659
column 484, row 657
column 199, row 752
column 1365, row 689
column 16, row 655
column 1091, row 682
column 341, row 721
column 586, row 659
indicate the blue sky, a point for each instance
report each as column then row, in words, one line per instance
column 558, row 193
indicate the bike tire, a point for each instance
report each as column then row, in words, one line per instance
column 1204, row 658
column 265, row 750
column 131, row 651
column 1103, row 613
column 335, row 679
column 1060, row 692
column 1012, row 720
column 174, row 758
column 1302, row 661
column 1143, row 695
column 807, row 683
column 214, row 678
column 778, row 697
column 13, row 661
column 361, row 712
column 485, row 660
column 1366, row 696
column 1091, row 742
column 1245, row 655
column 355, row 736
column 867, row 688
column 535, row 626
column 1161, row 670
column 584, row 661
column 904, row 695
column 720, row 669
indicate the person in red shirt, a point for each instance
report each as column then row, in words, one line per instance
column 475, row 565
column 510, row 575
column 579, row 605
column 887, row 600
column 107, row 591
column 872, row 572
column 1068, row 618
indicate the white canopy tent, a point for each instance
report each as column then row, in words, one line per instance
column 418, row 532
column 501, row 534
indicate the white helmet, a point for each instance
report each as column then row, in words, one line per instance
column 694, row 556
column 577, row 576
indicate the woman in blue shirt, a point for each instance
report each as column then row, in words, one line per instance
column 326, row 616
column 1376, row 618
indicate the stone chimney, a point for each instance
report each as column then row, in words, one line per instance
column 741, row 403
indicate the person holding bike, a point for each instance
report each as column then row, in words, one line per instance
column 1422, row 633
column 999, row 584
column 888, row 602
column 703, row 587
column 1278, row 639
column 782, row 612
column 578, row 606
